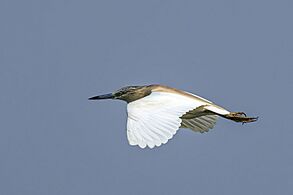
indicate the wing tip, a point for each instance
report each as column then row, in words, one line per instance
column 144, row 145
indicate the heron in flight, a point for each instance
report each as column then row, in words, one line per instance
column 156, row 112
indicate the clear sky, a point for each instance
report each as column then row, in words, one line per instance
column 55, row 54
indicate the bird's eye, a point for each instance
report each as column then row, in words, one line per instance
column 119, row 93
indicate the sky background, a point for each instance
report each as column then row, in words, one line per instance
column 55, row 54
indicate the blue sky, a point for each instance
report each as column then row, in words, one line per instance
column 56, row 54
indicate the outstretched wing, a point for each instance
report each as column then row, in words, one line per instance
column 154, row 119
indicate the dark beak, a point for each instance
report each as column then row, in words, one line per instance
column 100, row 97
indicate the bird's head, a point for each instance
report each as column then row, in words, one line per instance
column 128, row 94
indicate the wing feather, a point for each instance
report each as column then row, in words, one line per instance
column 201, row 124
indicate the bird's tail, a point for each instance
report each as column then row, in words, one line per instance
column 240, row 117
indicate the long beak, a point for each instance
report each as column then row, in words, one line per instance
column 100, row 97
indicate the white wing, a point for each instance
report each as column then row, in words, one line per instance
column 154, row 119
column 201, row 124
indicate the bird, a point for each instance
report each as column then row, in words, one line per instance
column 156, row 112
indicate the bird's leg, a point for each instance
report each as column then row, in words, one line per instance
column 240, row 117
column 238, row 114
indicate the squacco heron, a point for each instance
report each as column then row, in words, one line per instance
column 156, row 112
